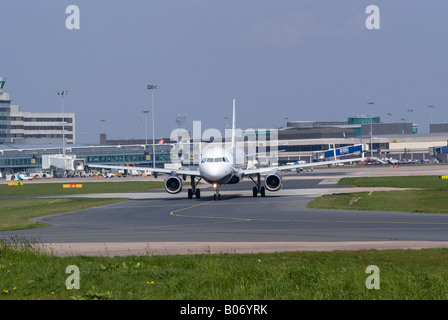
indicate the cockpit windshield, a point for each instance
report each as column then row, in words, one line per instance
column 219, row 159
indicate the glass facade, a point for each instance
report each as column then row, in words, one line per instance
column 24, row 159
column 5, row 121
column 363, row 120
column 20, row 162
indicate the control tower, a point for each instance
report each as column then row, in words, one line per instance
column 4, row 96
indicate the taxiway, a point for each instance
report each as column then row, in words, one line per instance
column 156, row 222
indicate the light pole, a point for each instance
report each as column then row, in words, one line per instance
column 226, row 124
column 152, row 88
column 146, row 125
column 180, row 119
column 62, row 94
column 402, row 125
column 102, row 125
column 371, row 130
column 410, row 117
column 432, row 108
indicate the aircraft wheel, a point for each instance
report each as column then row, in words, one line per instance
column 190, row 194
column 263, row 192
column 198, row 194
column 254, row 191
column 214, row 196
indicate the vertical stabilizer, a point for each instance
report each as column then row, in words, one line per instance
column 233, row 134
column 233, row 126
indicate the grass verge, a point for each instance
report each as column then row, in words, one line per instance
column 404, row 274
column 15, row 213
column 433, row 198
column 426, row 201
column 52, row 188
column 425, row 182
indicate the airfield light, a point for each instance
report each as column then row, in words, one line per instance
column 431, row 107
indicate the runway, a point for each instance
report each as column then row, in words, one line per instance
column 156, row 222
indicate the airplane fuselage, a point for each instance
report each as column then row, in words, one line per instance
column 216, row 166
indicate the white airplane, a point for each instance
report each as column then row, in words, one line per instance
column 218, row 167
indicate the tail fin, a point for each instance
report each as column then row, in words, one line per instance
column 233, row 134
column 233, row 126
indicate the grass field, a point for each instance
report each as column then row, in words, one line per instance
column 403, row 274
column 15, row 213
column 425, row 182
column 433, row 198
column 54, row 188
column 27, row 274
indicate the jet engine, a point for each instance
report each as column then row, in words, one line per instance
column 173, row 185
column 273, row 182
column 234, row 179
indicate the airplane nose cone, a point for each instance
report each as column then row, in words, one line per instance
column 214, row 173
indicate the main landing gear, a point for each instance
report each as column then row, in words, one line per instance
column 259, row 189
column 194, row 191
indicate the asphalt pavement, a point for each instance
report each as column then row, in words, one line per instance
column 157, row 222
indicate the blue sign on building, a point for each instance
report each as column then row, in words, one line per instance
column 343, row 151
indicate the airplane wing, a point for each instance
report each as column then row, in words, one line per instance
column 157, row 170
column 266, row 170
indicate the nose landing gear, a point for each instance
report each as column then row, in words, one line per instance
column 217, row 195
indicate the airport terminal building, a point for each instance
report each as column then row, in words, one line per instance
column 19, row 127
column 293, row 144
column 26, row 136
column 400, row 141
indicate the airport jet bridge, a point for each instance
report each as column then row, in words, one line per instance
column 63, row 164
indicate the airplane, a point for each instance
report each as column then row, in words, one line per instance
column 218, row 167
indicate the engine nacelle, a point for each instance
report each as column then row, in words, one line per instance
column 233, row 180
column 273, row 182
column 173, row 185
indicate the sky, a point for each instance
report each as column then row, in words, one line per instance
column 281, row 60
